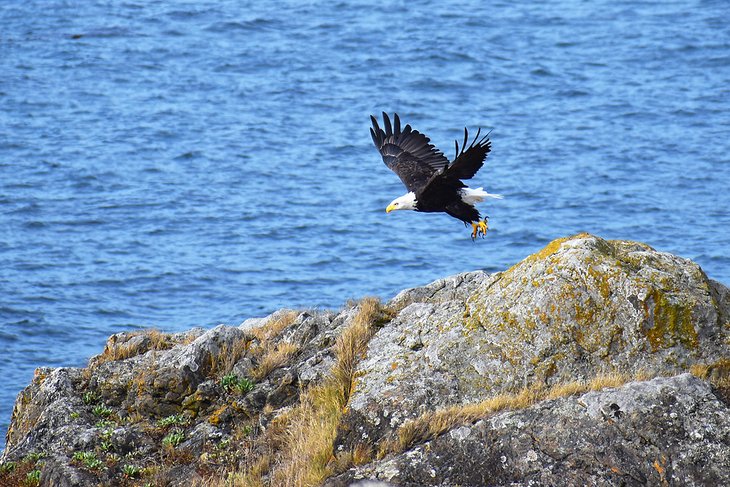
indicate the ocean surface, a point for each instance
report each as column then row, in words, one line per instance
column 172, row 164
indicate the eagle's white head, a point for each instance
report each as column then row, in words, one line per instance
column 405, row 202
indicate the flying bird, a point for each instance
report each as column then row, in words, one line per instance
column 434, row 184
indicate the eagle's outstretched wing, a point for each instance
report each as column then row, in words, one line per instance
column 470, row 159
column 407, row 152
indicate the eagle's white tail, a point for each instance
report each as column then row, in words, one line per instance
column 471, row 196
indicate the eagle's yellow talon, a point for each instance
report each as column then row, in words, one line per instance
column 483, row 227
column 479, row 229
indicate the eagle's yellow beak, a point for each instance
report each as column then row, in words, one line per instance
column 390, row 208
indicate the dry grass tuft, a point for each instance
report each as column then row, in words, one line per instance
column 273, row 359
column 701, row 371
column 434, row 423
column 309, row 438
column 606, row 381
column 296, row 447
column 642, row 375
column 717, row 374
column 312, row 425
column 272, row 328
column 351, row 346
column 156, row 340
column 359, row 455
column 362, row 454
column 566, row 389
column 230, row 353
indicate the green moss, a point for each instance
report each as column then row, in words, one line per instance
column 672, row 323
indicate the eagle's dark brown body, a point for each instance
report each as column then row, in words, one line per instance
column 425, row 171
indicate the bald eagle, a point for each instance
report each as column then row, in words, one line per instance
column 434, row 184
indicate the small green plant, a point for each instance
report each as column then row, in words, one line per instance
column 102, row 411
column 112, row 458
column 33, row 457
column 7, row 467
column 173, row 420
column 88, row 459
column 90, row 397
column 75, row 415
column 33, row 477
column 105, row 445
column 244, row 385
column 131, row 471
column 231, row 382
column 228, row 381
column 105, row 424
column 174, row 438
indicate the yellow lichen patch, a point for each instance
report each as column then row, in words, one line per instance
column 144, row 378
column 554, row 246
column 672, row 323
column 549, row 249
column 40, row 374
column 215, row 417
column 602, row 279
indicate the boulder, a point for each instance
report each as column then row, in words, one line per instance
column 666, row 431
column 569, row 368
column 581, row 307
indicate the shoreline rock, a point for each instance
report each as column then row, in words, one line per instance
column 474, row 379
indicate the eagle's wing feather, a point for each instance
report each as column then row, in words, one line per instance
column 470, row 159
column 407, row 152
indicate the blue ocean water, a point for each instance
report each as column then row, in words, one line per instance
column 172, row 164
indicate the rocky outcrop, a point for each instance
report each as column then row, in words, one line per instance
column 570, row 368
column 580, row 307
column 659, row 432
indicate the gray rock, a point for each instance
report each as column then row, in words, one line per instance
column 57, row 472
column 667, row 431
column 580, row 307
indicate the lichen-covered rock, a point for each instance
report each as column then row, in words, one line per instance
column 47, row 406
column 205, row 405
column 666, row 431
column 580, row 307
column 156, row 399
